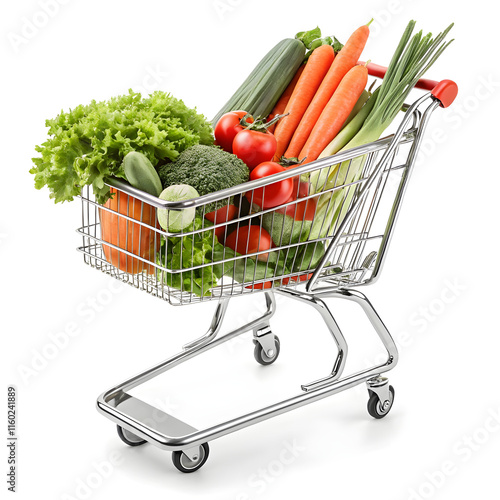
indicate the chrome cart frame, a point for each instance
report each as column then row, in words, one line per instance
column 354, row 253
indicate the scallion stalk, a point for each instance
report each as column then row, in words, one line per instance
column 412, row 58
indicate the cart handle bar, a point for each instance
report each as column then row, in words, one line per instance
column 444, row 91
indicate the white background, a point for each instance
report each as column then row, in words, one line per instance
column 437, row 293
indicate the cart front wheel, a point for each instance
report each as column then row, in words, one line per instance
column 129, row 437
column 269, row 357
column 376, row 408
column 183, row 463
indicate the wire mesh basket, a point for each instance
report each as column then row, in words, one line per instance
column 346, row 199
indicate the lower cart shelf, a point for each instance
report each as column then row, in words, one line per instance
column 139, row 422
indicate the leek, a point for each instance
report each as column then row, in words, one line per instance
column 348, row 132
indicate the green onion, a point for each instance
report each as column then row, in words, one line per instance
column 412, row 58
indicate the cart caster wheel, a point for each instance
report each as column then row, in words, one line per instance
column 128, row 437
column 375, row 408
column 183, row 463
column 264, row 358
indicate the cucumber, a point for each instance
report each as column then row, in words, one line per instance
column 141, row 174
column 263, row 87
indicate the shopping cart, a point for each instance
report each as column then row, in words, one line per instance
column 123, row 240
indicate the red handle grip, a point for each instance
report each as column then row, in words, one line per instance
column 445, row 90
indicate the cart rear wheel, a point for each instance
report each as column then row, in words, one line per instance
column 185, row 464
column 266, row 358
column 129, row 437
column 375, row 407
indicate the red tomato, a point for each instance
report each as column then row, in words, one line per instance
column 303, row 187
column 250, row 239
column 269, row 284
column 260, row 286
column 273, row 194
column 228, row 127
column 302, row 210
column 302, row 277
column 305, row 210
column 223, row 214
column 254, row 147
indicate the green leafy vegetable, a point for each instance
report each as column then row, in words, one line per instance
column 184, row 252
column 88, row 143
column 337, row 46
column 308, row 37
column 304, row 257
column 327, row 40
column 247, row 269
column 181, row 253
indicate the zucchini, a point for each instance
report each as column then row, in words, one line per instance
column 141, row 174
column 263, row 87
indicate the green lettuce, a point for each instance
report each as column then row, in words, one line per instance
column 247, row 269
column 88, row 143
column 179, row 253
column 183, row 252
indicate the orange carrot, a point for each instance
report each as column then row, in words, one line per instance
column 280, row 107
column 335, row 113
column 316, row 68
column 131, row 237
column 345, row 60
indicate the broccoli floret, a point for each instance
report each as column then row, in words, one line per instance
column 207, row 169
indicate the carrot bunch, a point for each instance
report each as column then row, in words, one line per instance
column 322, row 99
column 315, row 70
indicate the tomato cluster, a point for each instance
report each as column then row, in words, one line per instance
column 256, row 147
column 237, row 132
column 228, row 127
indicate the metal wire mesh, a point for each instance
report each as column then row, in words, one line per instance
column 124, row 239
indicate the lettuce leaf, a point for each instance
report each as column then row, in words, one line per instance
column 87, row 144
column 247, row 269
column 182, row 252
column 179, row 253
